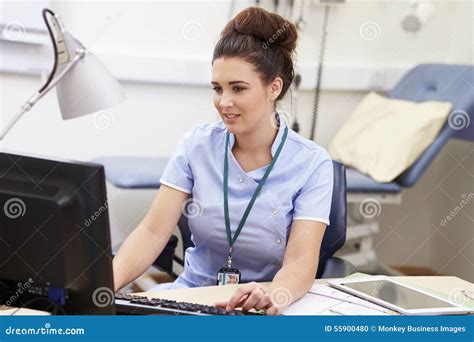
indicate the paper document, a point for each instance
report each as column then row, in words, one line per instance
column 325, row 300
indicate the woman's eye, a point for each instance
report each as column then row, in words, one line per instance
column 236, row 89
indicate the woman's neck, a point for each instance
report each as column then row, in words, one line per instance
column 258, row 140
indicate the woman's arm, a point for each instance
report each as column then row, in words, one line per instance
column 295, row 277
column 300, row 264
column 147, row 241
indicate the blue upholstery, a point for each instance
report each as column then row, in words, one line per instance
column 359, row 182
column 336, row 268
column 335, row 235
column 133, row 172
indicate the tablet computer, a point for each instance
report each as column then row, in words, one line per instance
column 397, row 296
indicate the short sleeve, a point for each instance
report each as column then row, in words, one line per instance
column 314, row 199
column 178, row 173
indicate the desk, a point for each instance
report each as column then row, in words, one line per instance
column 441, row 286
column 438, row 285
column 9, row 311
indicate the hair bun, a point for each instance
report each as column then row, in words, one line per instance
column 263, row 39
column 269, row 28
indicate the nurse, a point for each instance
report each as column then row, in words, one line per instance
column 257, row 194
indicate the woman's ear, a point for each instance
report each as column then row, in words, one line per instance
column 275, row 88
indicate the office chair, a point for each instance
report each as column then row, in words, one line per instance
column 120, row 171
column 335, row 234
column 424, row 82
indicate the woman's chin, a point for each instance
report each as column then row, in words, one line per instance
column 233, row 128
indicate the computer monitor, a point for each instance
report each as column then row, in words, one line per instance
column 55, row 250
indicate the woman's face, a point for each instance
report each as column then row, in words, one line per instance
column 242, row 100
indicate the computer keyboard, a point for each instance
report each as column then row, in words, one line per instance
column 126, row 304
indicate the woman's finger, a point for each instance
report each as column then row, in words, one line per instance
column 221, row 304
column 254, row 297
column 264, row 303
column 224, row 304
column 242, row 291
column 272, row 311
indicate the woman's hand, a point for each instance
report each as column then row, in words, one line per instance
column 252, row 296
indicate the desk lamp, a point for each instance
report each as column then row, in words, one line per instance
column 83, row 84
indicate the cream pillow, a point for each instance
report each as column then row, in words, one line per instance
column 383, row 137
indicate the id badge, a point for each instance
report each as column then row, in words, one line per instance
column 228, row 276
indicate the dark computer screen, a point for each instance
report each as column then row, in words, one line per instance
column 55, row 250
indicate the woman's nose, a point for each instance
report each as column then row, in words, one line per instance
column 226, row 102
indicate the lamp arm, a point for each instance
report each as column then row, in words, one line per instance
column 80, row 53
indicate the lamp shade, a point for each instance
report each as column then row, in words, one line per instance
column 87, row 87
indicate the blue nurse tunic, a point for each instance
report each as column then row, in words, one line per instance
column 299, row 188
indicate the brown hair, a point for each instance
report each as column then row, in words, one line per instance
column 264, row 39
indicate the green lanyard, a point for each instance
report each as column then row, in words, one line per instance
column 254, row 197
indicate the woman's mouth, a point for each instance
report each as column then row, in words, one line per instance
column 230, row 118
